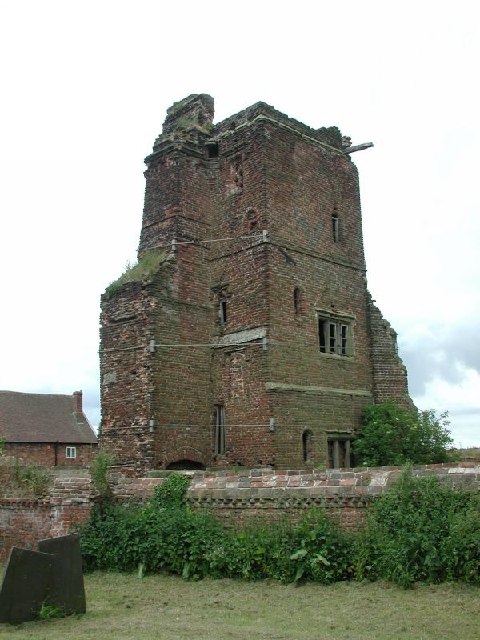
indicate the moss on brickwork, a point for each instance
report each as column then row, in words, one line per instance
column 142, row 270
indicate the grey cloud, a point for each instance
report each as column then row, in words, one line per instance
column 442, row 354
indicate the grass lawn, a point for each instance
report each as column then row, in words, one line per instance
column 159, row 607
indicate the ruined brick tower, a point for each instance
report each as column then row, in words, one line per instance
column 246, row 334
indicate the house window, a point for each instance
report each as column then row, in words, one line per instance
column 71, row 453
column 335, row 336
column 219, row 418
column 307, row 446
column 339, row 452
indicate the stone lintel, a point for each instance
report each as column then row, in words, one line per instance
column 241, row 337
column 313, row 389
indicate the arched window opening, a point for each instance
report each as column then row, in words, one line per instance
column 307, row 446
column 186, row 465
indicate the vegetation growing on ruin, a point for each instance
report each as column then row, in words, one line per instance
column 99, row 473
column 20, row 480
column 189, row 123
column 141, row 270
column 419, row 530
column 393, row 435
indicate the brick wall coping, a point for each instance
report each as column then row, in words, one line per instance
column 357, row 481
column 253, row 484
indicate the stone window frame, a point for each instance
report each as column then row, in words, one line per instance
column 71, row 453
column 339, row 450
column 335, row 334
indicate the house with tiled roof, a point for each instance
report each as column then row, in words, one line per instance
column 46, row 429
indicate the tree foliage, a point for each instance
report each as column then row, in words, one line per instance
column 393, row 435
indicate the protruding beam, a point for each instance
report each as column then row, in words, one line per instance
column 358, row 147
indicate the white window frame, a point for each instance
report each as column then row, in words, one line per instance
column 71, row 453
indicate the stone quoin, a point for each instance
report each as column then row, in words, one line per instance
column 246, row 334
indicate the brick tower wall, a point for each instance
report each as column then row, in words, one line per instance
column 259, row 218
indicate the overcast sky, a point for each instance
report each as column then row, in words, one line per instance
column 85, row 86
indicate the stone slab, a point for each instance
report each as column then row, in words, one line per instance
column 26, row 585
column 67, row 590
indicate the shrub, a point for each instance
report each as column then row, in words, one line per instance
column 393, row 435
column 162, row 534
column 421, row 530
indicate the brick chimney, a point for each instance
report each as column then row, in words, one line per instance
column 77, row 398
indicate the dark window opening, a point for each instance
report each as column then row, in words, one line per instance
column 296, row 300
column 212, row 150
column 334, row 337
column 186, row 465
column 222, row 311
column 339, row 454
column 335, row 226
column 219, row 418
column 307, row 446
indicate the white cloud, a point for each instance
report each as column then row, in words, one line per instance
column 463, row 402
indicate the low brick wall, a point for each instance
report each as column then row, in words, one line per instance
column 234, row 497
column 24, row 522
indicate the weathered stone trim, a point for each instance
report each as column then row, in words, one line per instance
column 281, row 125
column 241, row 337
column 284, row 387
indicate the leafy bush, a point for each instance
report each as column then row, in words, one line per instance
column 161, row 534
column 165, row 535
column 421, row 530
column 393, row 435
column 171, row 493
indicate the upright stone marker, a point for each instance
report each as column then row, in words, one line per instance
column 26, row 585
column 67, row 589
